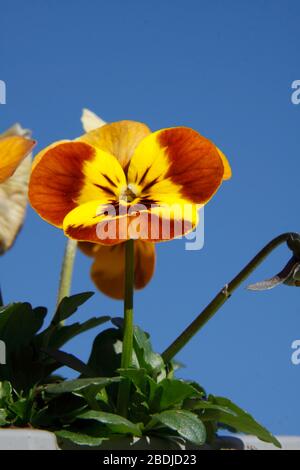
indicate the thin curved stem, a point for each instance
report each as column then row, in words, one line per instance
column 223, row 296
column 67, row 270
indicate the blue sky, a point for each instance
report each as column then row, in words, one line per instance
column 225, row 69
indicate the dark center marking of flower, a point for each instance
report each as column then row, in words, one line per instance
column 109, row 180
column 105, row 188
column 148, row 186
column 144, row 175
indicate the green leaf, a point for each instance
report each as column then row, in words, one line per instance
column 171, row 392
column 69, row 360
column 226, row 412
column 185, row 423
column 62, row 408
column 20, row 408
column 69, row 305
column 76, row 385
column 19, row 322
column 65, row 333
column 117, row 424
column 79, row 438
column 105, row 357
column 5, row 391
column 147, row 359
column 137, row 376
column 3, row 416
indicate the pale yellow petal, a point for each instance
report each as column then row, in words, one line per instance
column 90, row 120
column 13, row 201
column 118, row 138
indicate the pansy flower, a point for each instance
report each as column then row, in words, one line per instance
column 123, row 181
column 108, row 267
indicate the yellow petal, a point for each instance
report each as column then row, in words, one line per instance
column 13, row 150
column 96, row 222
column 90, row 120
column 176, row 163
column 108, row 269
column 227, row 169
column 118, row 138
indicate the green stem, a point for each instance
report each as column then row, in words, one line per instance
column 67, row 270
column 223, row 296
column 124, row 388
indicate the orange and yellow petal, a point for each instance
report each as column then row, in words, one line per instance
column 40, row 155
column 107, row 224
column 177, row 163
column 227, row 168
column 163, row 222
column 118, row 138
column 70, row 174
column 97, row 222
column 13, row 150
column 108, row 269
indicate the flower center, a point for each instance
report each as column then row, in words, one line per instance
column 129, row 193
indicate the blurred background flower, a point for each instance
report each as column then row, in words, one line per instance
column 15, row 164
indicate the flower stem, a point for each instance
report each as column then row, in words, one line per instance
column 67, row 270
column 124, row 387
column 223, row 296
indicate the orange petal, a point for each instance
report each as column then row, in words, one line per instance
column 69, row 174
column 13, row 150
column 88, row 248
column 177, row 163
column 108, row 269
column 118, row 138
column 40, row 155
column 144, row 263
column 162, row 222
column 108, row 224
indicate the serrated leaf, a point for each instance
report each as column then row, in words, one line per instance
column 69, row 360
column 76, row 385
column 171, row 392
column 185, row 423
column 5, row 391
column 226, row 412
column 3, row 416
column 137, row 376
column 65, row 333
column 147, row 358
column 20, row 322
column 117, row 424
column 69, row 305
column 79, row 438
